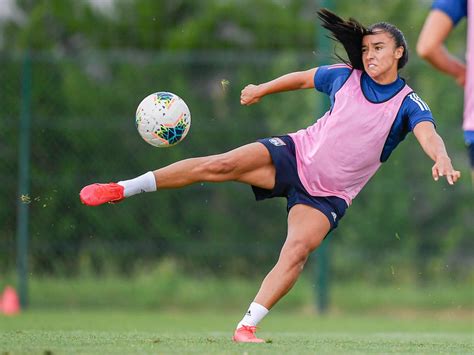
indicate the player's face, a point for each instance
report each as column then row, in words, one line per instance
column 380, row 56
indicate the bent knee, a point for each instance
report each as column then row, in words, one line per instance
column 297, row 252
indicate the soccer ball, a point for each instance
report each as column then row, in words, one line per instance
column 163, row 119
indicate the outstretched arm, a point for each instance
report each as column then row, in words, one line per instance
column 434, row 147
column 252, row 94
column 431, row 47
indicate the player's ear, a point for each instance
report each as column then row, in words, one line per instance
column 399, row 52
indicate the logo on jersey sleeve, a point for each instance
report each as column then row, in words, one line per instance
column 417, row 100
column 277, row 141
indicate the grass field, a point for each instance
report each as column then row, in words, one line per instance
column 165, row 287
column 141, row 332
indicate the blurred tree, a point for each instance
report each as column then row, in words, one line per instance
column 68, row 25
column 93, row 65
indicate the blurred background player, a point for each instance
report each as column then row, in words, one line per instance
column 321, row 169
column 443, row 17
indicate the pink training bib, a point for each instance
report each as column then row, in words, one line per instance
column 338, row 154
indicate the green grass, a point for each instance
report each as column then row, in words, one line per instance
column 166, row 288
column 141, row 332
column 139, row 315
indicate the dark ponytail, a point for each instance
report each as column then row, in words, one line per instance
column 349, row 33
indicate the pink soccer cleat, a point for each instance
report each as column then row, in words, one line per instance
column 97, row 194
column 246, row 334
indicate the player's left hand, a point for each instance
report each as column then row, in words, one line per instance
column 443, row 167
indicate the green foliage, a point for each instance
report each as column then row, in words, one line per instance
column 72, row 25
column 91, row 68
column 167, row 285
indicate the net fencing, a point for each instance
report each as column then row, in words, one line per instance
column 82, row 131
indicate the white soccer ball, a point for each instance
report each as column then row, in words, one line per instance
column 163, row 119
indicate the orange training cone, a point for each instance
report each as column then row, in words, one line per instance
column 10, row 301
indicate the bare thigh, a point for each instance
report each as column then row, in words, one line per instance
column 253, row 165
column 306, row 226
column 250, row 164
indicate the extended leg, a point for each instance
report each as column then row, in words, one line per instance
column 250, row 164
column 307, row 228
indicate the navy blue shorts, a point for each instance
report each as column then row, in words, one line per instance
column 469, row 139
column 288, row 184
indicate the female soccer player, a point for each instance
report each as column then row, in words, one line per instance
column 443, row 17
column 319, row 169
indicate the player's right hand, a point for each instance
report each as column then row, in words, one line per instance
column 250, row 95
column 443, row 167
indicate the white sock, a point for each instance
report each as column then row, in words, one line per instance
column 254, row 315
column 143, row 183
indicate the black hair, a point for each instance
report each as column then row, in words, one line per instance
column 397, row 35
column 350, row 33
